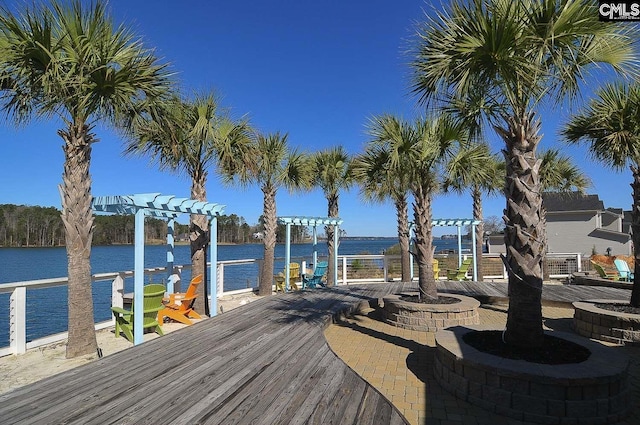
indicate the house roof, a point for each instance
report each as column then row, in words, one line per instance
column 572, row 201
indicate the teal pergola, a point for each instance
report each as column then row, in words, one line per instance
column 458, row 222
column 311, row 222
column 163, row 206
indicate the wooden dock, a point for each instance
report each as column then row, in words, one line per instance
column 264, row 363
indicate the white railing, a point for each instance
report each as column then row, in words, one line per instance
column 351, row 269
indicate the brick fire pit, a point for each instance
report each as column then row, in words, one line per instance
column 605, row 325
column 429, row 317
column 595, row 391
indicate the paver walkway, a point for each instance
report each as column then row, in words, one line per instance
column 399, row 363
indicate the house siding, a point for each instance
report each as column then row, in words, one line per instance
column 578, row 232
column 577, row 223
column 611, row 222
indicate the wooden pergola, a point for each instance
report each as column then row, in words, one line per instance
column 163, row 206
column 311, row 222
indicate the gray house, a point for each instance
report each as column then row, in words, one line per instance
column 580, row 223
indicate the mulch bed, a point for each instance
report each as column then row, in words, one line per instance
column 619, row 308
column 554, row 350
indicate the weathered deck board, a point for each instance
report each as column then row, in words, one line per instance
column 550, row 293
column 264, row 363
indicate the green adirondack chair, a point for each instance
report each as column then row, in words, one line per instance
column 603, row 273
column 460, row 273
column 153, row 295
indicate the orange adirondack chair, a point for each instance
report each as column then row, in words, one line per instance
column 179, row 306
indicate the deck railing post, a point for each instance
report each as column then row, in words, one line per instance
column 177, row 278
column 117, row 292
column 260, row 266
column 18, row 317
column 385, row 268
column 579, row 259
column 344, row 270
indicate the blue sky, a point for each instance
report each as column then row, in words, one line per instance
column 317, row 70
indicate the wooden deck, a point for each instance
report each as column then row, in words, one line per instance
column 264, row 363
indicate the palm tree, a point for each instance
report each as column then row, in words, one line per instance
column 610, row 125
column 332, row 171
column 478, row 169
column 275, row 167
column 422, row 149
column 188, row 136
column 513, row 55
column 558, row 173
column 70, row 61
column 378, row 183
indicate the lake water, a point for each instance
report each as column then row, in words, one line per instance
column 47, row 308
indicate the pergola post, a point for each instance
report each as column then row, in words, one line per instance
column 315, row 245
column 287, row 258
column 474, row 251
column 138, row 279
column 336, row 231
column 213, row 272
column 459, row 227
column 170, row 259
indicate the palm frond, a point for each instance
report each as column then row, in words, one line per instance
column 67, row 59
column 609, row 125
column 513, row 54
column 558, row 173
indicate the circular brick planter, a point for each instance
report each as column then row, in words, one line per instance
column 591, row 392
column 605, row 325
column 430, row 317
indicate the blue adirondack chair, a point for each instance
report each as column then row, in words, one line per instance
column 623, row 269
column 316, row 278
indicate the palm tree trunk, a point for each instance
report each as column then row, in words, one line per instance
column 477, row 215
column 635, row 234
column 403, row 237
column 524, row 233
column 332, row 201
column 199, row 237
column 77, row 217
column 269, row 240
column 424, row 244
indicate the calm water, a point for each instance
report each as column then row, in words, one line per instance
column 47, row 308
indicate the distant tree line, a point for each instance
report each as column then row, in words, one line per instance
column 30, row 226
column 34, row 226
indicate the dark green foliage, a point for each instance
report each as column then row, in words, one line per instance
column 34, row 226
column 30, row 226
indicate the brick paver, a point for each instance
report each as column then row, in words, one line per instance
column 399, row 363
